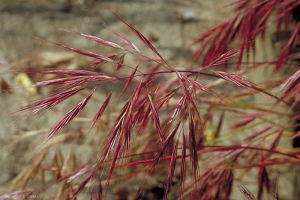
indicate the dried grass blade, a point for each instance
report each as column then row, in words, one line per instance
column 54, row 81
column 161, row 101
column 130, row 44
column 182, row 167
column 129, row 79
column 112, row 167
column 24, row 194
column 171, row 170
column 149, row 80
column 76, row 174
column 198, row 53
column 220, row 123
column 178, row 108
column 96, row 39
column 165, row 146
column 60, row 124
column 75, row 81
column 229, row 183
column 201, row 87
column 81, row 186
column 44, row 104
column 153, row 68
column 113, row 134
column 84, row 52
column 120, row 63
column 225, row 57
column 290, row 45
column 135, row 99
column 140, row 35
column 265, row 13
column 187, row 95
column 193, row 146
column 70, row 72
column 22, row 179
column 263, row 180
column 100, row 112
column 236, row 79
column 247, row 119
column 257, row 133
column 292, row 85
column 155, row 118
column 246, row 192
column 275, row 142
column 98, row 61
column 210, row 31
